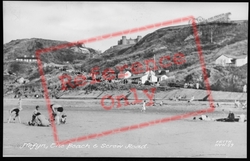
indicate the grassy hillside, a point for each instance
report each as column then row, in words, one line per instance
column 215, row 38
column 168, row 41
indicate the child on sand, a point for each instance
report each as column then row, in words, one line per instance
column 40, row 120
column 35, row 114
column 14, row 112
column 56, row 109
column 143, row 106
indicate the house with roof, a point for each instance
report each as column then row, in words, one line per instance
column 162, row 75
column 149, row 76
column 135, row 78
column 231, row 60
column 124, row 75
column 27, row 59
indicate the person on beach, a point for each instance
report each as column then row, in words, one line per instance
column 143, row 106
column 230, row 118
column 40, row 120
column 63, row 118
column 236, row 103
column 56, row 109
column 14, row 112
column 35, row 113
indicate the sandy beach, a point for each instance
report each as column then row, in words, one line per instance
column 179, row 138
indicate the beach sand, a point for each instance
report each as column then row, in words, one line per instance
column 177, row 138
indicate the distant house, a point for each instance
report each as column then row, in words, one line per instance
column 149, row 76
column 136, row 78
column 22, row 80
column 27, row 59
column 162, row 75
column 231, row 60
column 124, row 75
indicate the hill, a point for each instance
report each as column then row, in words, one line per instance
column 13, row 70
column 215, row 38
column 170, row 40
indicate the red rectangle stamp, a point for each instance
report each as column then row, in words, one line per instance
column 136, row 68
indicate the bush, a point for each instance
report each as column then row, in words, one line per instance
column 167, row 82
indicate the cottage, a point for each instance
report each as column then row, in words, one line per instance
column 136, row 78
column 125, row 75
column 162, row 75
column 27, row 59
column 22, row 80
column 231, row 60
column 150, row 76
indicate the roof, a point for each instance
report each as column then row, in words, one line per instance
column 162, row 72
column 123, row 74
column 136, row 76
column 234, row 56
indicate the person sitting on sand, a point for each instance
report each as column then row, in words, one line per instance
column 14, row 112
column 63, row 118
column 205, row 118
column 230, row 118
column 56, row 109
column 242, row 118
column 35, row 113
column 40, row 120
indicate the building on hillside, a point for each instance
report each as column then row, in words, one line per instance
column 149, row 76
column 124, row 75
column 162, row 75
column 231, row 60
column 125, row 41
column 136, row 78
column 26, row 59
column 22, row 80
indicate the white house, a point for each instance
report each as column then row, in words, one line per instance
column 22, row 80
column 150, row 76
column 162, row 75
column 125, row 75
column 27, row 59
column 226, row 60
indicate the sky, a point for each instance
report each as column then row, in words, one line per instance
column 76, row 21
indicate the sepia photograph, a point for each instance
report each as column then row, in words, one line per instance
column 125, row 79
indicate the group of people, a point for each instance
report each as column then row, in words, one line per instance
column 37, row 118
column 230, row 118
column 40, row 120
